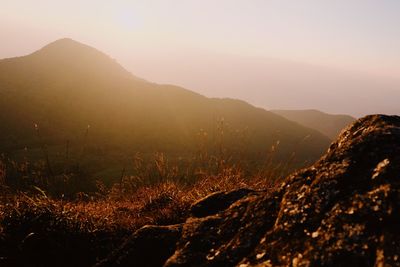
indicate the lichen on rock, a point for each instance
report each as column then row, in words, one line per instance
column 342, row 211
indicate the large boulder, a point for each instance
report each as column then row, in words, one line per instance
column 342, row 211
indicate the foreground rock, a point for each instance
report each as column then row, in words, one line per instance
column 342, row 211
column 217, row 202
column 149, row 246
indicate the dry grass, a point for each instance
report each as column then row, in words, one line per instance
column 40, row 229
column 63, row 217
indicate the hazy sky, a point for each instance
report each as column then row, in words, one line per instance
column 361, row 34
column 148, row 36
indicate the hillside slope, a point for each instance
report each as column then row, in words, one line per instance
column 328, row 124
column 342, row 211
column 66, row 86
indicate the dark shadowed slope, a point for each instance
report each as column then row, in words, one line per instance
column 66, row 86
column 328, row 124
column 342, row 211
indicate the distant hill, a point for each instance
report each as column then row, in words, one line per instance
column 66, row 86
column 274, row 83
column 328, row 124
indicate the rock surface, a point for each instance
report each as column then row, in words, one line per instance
column 217, row 202
column 149, row 246
column 342, row 211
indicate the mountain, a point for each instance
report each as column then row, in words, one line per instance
column 342, row 211
column 274, row 83
column 328, row 124
column 66, row 86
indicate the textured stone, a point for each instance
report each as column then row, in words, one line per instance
column 149, row 246
column 342, row 211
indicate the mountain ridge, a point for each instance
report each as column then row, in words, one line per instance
column 275, row 83
column 328, row 124
column 66, row 86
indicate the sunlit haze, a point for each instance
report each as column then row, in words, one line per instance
column 217, row 48
column 199, row 133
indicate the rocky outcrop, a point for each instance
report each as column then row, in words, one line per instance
column 217, row 202
column 149, row 246
column 342, row 211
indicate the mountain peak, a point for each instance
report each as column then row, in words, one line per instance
column 73, row 56
column 63, row 43
column 65, row 40
column 69, row 46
